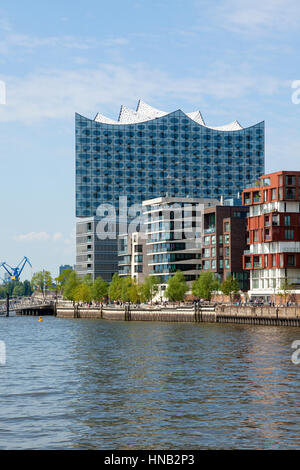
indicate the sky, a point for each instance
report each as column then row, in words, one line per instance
column 231, row 59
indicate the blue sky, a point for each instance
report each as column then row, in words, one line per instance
column 231, row 59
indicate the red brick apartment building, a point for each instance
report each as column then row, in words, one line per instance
column 224, row 242
column 273, row 254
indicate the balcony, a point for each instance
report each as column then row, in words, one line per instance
column 210, row 230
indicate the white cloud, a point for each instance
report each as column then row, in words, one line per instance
column 58, row 94
column 57, row 236
column 256, row 16
column 39, row 237
column 32, row 237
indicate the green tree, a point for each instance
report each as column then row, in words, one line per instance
column 88, row 280
column 82, row 293
column 42, row 280
column 177, row 287
column 230, row 286
column 3, row 292
column 285, row 289
column 18, row 290
column 99, row 289
column 205, row 285
column 72, row 282
column 134, row 291
column 115, row 287
column 27, row 288
column 150, row 287
column 62, row 279
column 126, row 284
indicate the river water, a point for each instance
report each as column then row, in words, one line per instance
column 85, row 384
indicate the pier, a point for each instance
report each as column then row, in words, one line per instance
column 28, row 306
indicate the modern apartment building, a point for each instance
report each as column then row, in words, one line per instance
column 174, row 235
column 224, row 242
column 94, row 256
column 132, row 256
column 273, row 256
column 149, row 153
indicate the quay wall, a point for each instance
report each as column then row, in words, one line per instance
column 280, row 316
column 167, row 315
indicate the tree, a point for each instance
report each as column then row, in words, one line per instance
column 62, row 279
column 115, row 287
column 99, row 289
column 230, row 286
column 18, row 290
column 27, row 288
column 88, row 280
column 3, row 292
column 150, row 287
column 177, row 287
column 71, row 284
column 82, row 293
column 285, row 289
column 205, row 285
column 42, row 280
column 134, row 291
column 126, row 284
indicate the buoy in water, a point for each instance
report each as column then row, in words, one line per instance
column 40, row 319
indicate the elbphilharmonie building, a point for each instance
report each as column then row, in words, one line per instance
column 149, row 153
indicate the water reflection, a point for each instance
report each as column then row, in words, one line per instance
column 126, row 385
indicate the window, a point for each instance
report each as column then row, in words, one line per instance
column 227, row 264
column 266, row 261
column 206, row 240
column 221, row 239
column 290, row 180
column 291, row 260
column 206, row 265
column 226, row 239
column 256, row 236
column 206, row 253
column 213, row 264
column 287, row 220
column 226, row 252
column 274, row 194
column 226, row 227
column 290, row 193
column 289, row 234
column 221, row 264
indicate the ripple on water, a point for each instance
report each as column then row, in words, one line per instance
column 121, row 385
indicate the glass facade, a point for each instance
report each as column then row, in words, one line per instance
column 170, row 155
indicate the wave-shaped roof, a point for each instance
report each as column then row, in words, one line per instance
column 145, row 112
